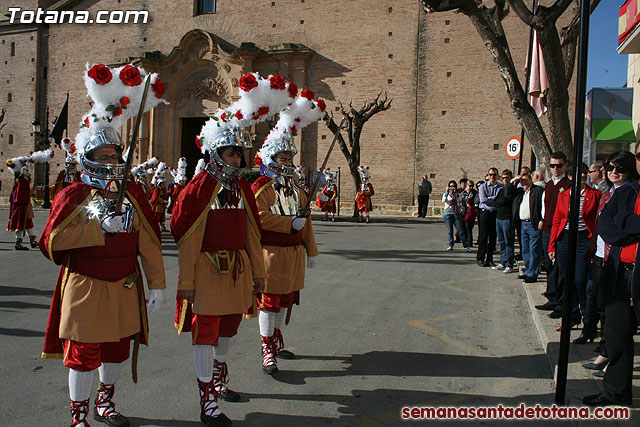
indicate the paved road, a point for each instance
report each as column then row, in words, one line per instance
column 388, row 319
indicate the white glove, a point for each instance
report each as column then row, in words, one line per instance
column 298, row 223
column 311, row 261
column 113, row 224
column 156, row 299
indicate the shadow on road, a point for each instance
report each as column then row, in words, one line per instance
column 21, row 290
column 405, row 364
column 21, row 332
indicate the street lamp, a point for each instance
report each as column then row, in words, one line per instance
column 42, row 143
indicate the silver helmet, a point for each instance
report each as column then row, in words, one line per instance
column 220, row 169
column 98, row 174
column 268, row 153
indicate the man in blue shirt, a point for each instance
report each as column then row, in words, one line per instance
column 487, row 219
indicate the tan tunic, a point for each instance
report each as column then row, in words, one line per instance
column 217, row 293
column 96, row 310
column 285, row 265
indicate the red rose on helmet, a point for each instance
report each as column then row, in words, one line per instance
column 198, row 143
column 117, row 111
column 86, row 121
column 322, row 105
column 223, row 117
column 307, row 94
column 263, row 110
column 247, row 82
column 239, row 115
column 124, row 101
column 277, row 82
column 297, row 119
column 158, row 88
column 130, row 76
column 100, row 73
column 293, row 90
column 257, row 160
column 294, row 130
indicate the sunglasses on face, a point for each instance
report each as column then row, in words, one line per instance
column 492, row 174
column 556, row 165
column 610, row 167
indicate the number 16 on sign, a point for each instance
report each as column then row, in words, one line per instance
column 512, row 148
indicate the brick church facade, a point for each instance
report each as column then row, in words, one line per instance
column 450, row 114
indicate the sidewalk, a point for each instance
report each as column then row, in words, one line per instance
column 580, row 381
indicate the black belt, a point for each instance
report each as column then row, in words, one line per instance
column 598, row 261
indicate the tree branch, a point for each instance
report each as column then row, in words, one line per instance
column 432, row 6
column 558, row 8
column 522, row 10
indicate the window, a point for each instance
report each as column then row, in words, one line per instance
column 9, row 97
column 205, row 6
column 13, row 48
column 10, row 139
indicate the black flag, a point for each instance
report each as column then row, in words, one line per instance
column 61, row 124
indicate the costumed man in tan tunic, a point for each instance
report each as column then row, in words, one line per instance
column 179, row 181
column 21, row 210
column 98, row 306
column 70, row 173
column 140, row 174
column 287, row 233
column 217, row 229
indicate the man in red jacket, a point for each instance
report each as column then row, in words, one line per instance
column 558, row 243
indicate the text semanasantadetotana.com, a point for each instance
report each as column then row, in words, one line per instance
column 521, row 412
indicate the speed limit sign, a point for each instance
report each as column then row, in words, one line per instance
column 513, row 147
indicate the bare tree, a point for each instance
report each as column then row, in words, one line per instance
column 559, row 54
column 354, row 122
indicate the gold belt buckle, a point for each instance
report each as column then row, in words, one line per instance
column 223, row 261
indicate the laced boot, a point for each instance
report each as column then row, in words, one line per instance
column 210, row 413
column 79, row 412
column 105, row 410
column 220, row 380
column 19, row 246
column 269, row 365
column 280, row 351
column 34, row 242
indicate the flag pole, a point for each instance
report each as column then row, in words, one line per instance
column 578, row 143
column 526, row 86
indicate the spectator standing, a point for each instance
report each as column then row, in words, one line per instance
column 596, row 178
column 468, row 194
column 451, row 200
column 619, row 226
column 487, row 219
column 504, row 224
column 424, row 190
column 538, row 178
column 558, row 184
column 527, row 209
column 620, row 170
column 559, row 241
column 470, row 220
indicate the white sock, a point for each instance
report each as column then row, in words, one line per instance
column 203, row 361
column 267, row 321
column 19, row 234
column 30, row 232
column 280, row 318
column 220, row 351
column 109, row 373
column 80, row 384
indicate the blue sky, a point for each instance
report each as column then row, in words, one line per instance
column 606, row 68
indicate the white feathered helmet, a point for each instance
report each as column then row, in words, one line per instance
column 300, row 174
column 140, row 171
column 329, row 176
column 159, row 176
column 199, row 167
column 70, row 149
column 116, row 94
column 180, row 175
column 364, row 172
column 259, row 100
column 304, row 111
column 20, row 165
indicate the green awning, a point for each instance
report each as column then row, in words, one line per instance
column 612, row 130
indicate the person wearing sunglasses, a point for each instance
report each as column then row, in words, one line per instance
column 555, row 186
column 597, row 177
column 619, row 226
column 487, row 233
